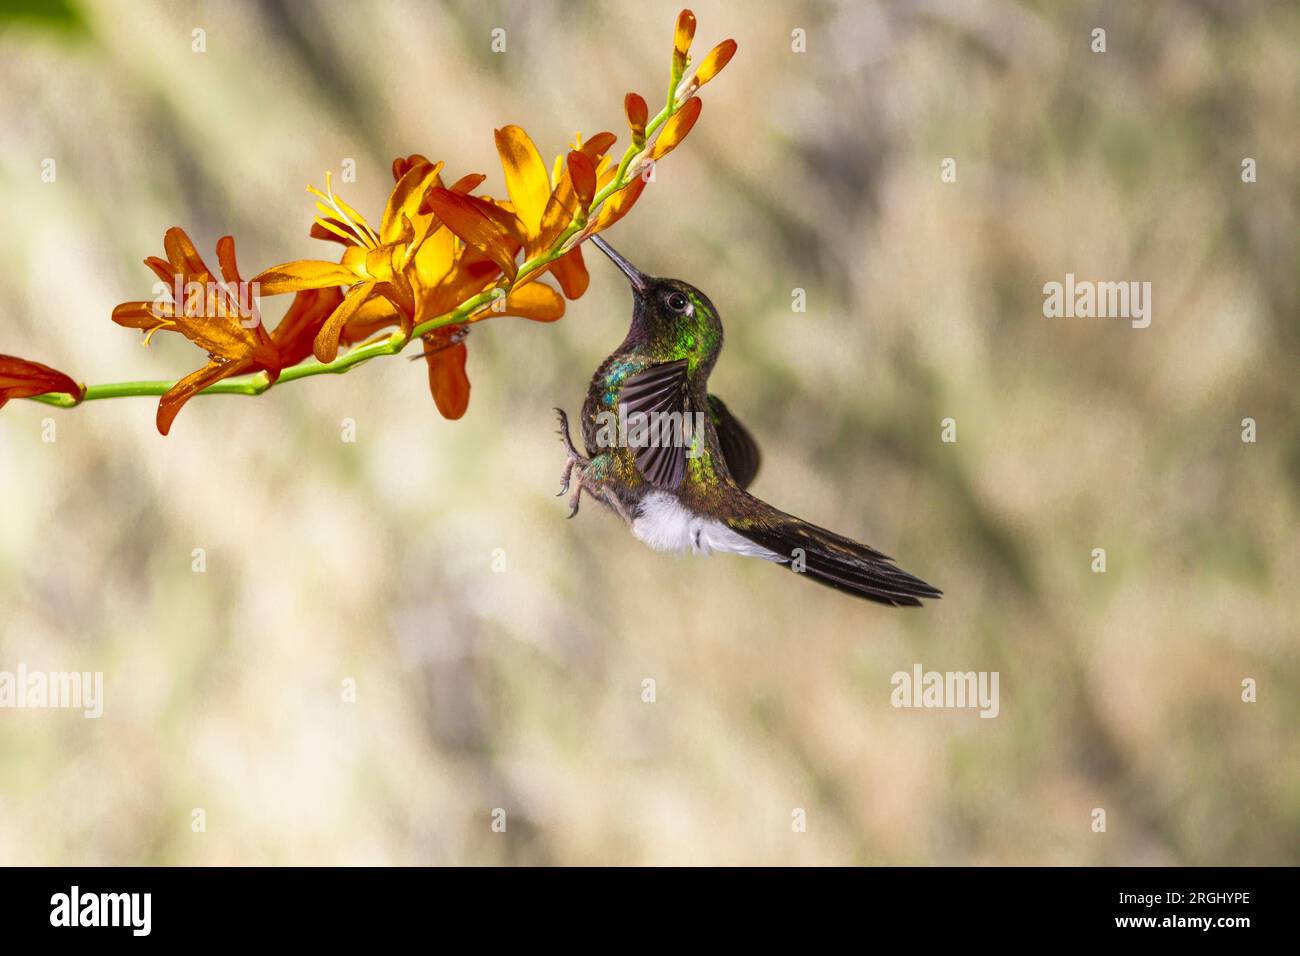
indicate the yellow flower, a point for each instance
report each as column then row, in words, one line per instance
column 373, row 262
column 446, row 271
column 545, row 209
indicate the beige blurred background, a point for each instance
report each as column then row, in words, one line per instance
column 522, row 690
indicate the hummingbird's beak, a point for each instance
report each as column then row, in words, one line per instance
column 638, row 278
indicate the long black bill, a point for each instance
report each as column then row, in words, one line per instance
column 638, row 278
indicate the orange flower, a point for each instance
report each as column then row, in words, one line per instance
column 446, row 354
column 682, row 37
column 443, row 273
column 437, row 249
column 220, row 317
column 674, row 129
column 638, row 114
column 463, row 275
column 481, row 223
column 447, row 270
column 20, row 378
column 373, row 262
column 295, row 335
column 620, row 203
column 543, row 209
column 713, row 64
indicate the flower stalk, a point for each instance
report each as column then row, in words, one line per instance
column 440, row 260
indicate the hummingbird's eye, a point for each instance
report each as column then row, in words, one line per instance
column 678, row 302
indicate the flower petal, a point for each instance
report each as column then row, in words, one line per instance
column 618, row 205
column 226, row 259
column 536, row 301
column 332, row 230
column 468, row 183
column 405, row 200
column 162, row 269
column 448, row 382
column 143, row 315
column 326, row 345
column 561, row 209
column 526, row 178
column 375, row 313
column 583, row 173
column 564, row 203
column 682, row 37
column 677, row 127
column 713, row 64
column 174, row 400
column 434, row 258
column 473, row 272
column 21, row 378
column 598, row 145
column 638, row 114
column 307, row 313
column 182, row 255
column 303, row 274
column 480, row 223
column 571, row 272
column 402, row 165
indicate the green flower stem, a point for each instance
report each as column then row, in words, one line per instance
column 258, row 383
column 254, row 384
column 233, row 386
column 362, row 353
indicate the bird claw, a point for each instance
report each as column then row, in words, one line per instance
column 575, row 499
column 576, row 462
column 563, row 431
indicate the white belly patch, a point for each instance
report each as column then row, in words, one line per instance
column 666, row 525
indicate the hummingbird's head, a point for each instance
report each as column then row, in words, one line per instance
column 672, row 317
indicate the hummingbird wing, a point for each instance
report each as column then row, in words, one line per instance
column 659, row 390
column 825, row 556
column 737, row 444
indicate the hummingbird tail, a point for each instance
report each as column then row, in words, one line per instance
column 829, row 558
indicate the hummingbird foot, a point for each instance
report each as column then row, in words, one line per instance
column 580, row 466
column 575, row 460
column 585, row 483
column 597, row 490
column 577, row 463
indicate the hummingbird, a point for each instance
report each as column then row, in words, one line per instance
column 674, row 463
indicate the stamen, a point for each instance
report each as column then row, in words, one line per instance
column 327, row 224
column 361, row 231
column 360, row 220
column 163, row 324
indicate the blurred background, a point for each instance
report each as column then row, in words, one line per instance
column 372, row 561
